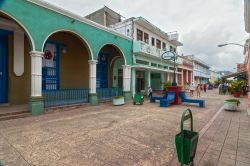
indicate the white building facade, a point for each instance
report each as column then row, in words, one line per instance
column 214, row 76
column 149, row 42
column 201, row 72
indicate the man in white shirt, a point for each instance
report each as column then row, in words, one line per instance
column 192, row 88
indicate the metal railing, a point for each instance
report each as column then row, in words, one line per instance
column 108, row 93
column 65, row 97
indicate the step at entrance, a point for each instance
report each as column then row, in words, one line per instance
column 8, row 113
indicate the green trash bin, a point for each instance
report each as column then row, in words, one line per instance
column 138, row 98
column 186, row 141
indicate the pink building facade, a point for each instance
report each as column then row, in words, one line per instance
column 185, row 71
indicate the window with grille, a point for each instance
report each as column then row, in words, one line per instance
column 171, row 48
column 139, row 35
column 158, row 43
column 163, row 46
column 153, row 41
column 145, row 37
column 50, row 69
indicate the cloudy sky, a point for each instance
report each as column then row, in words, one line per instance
column 202, row 24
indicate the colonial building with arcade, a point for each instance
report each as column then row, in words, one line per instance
column 50, row 57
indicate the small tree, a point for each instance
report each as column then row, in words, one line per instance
column 167, row 83
column 236, row 85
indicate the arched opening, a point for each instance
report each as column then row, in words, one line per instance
column 109, row 78
column 15, row 61
column 65, row 69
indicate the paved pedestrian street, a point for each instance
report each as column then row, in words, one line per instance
column 126, row 135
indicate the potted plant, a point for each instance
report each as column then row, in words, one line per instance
column 118, row 99
column 231, row 104
column 236, row 88
column 167, row 84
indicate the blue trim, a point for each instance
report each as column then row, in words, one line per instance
column 4, row 65
column 58, row 66
column 102, row 70
column 65, row 97
column 4, row 32
column 108, row 93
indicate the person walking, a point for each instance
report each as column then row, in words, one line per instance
column 192, row 88
column 198, row 90
column 150, row 91
column 220, row 89
column 205, row 87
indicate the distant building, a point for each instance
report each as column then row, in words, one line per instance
column 224, row 72
column 201, row 72
column 214, row 76
column 105, row 16
column 186, row 70
column 241, row 67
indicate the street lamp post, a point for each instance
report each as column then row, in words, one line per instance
column 237, row 44
column 170, row 55
column 222, row 45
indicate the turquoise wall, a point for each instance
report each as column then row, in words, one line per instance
column 156, row 81
column 117, row 65
column 41, row 22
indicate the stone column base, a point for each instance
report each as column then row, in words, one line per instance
column 127, row 95
column 93, row 99
column 36, row 105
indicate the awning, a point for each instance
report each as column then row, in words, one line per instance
column 237, row 74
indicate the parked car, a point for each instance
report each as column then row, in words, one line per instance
column 210, row 87
column 216, row 85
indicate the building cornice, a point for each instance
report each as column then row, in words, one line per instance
column 69, row 14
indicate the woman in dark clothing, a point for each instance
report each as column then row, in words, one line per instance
column 205, row 87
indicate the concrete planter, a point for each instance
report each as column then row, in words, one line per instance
column 118, row 100
column 231, row 105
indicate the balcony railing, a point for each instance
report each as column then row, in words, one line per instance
column 143, row 48
column 201, row 74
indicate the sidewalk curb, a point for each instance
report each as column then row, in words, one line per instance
column 206, row 127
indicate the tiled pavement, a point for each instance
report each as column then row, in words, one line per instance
column 227, row 140
column 126, row 135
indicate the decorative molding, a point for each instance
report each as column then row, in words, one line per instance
column 67, row 13
column 36, row 53
column 25, row 29
column 74, row 33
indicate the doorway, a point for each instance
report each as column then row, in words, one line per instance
column 3, row 66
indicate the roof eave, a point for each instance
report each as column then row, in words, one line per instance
column 67, row 13
column 176, row 43
column 150, row 25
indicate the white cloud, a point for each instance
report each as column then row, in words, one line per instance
column 202, row 24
